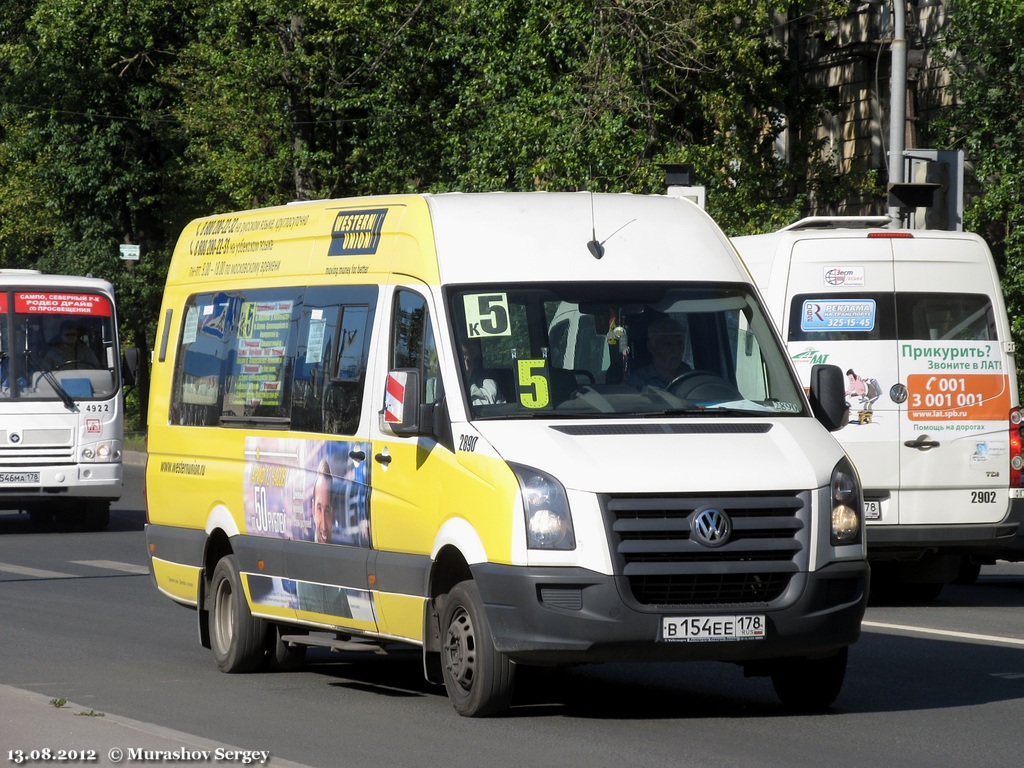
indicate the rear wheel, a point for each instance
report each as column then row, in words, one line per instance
column 970, row 570
column 478, row 678
column 237, row 638
column 809, row 685
column 281, row 656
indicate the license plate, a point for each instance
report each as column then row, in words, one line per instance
column 19, row 477
column 711, row 629
column 872, row 510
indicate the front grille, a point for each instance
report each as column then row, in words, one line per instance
column 37, row 446
column 665, row 564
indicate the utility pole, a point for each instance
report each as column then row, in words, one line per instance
column 897, row 102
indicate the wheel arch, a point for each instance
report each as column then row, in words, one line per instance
column 218, row 545
column 448, row 567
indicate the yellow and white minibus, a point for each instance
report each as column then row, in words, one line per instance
column 444, row 421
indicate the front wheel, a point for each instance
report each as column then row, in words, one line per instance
column 478, row 678
column 809, row 685
column 96, row 516
column 237, row 638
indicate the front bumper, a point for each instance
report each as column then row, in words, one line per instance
column 562, row 616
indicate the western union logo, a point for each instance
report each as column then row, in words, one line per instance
column 356, row 232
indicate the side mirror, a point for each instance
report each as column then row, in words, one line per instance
column 828, row 397
column 131, row 359
column 401, row 414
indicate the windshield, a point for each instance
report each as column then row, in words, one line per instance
column 593, row 349
column 55, row 345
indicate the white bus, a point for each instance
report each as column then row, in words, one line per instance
column 61, row 404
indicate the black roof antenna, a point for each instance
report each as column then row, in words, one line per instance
column 596, row 249
column 595, row 246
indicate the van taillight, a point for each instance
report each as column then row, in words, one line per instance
column 1016, row 459
column 891, row 234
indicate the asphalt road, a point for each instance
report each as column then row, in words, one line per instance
column 936, row 685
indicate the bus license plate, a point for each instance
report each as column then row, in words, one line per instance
column 19, row 477
column 712, row 629
column 872, row 510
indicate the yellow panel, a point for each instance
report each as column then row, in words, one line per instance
column 404, row 615
column 410, row 507
column 179, row 581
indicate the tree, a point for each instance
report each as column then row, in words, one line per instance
column 88, row 156
column 290, row 100
column 120, row 122
column 987, row 122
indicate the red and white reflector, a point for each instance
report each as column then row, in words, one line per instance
column 394, row 398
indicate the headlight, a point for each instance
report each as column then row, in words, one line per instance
column 548, row 522
column 847, row 507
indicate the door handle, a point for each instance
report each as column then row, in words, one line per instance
column 383, row 458
column 922, row 443
column 357, row 455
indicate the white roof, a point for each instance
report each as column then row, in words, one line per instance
column 531, row 236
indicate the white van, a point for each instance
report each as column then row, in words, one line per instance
column 916, row 321
column 409, row 420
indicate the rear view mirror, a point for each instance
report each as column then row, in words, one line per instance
column 828, row 397
column 401, row 414
column 131, row 360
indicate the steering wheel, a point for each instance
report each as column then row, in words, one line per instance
column 75, row 365
column 577, row 372
column 703, row 385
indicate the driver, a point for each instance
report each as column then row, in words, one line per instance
column 69, row 351
column 666, row 343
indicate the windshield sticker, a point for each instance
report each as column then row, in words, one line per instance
column 487, row 315
column 534, row 378
column 838, row 315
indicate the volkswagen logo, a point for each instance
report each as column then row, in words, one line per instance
column 712, row 527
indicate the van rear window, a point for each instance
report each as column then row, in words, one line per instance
column 873, row 316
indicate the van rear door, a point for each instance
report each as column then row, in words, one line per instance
column 953, row 443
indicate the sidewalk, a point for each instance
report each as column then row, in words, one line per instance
column 31, row 723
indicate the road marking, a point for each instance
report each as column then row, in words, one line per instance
column 997, row 639
column 114, row 565
column 36, row 573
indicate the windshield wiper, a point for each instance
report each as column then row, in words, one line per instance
column 62, row 393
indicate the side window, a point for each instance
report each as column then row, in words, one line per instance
column 282, row 357
column 330, row 365
column 413, row 344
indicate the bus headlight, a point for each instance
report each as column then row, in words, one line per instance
column 847, row 506
column 546, row 507
column 100, row 452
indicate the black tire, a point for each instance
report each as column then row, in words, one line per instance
column 237, row 638
column 969, row 572
column 478, row 678
column 889, row 586
column 282, row 657
column 809, row 685
column 96, row 516
column 42, row 517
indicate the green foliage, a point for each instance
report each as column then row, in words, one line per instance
column 121, row 121
column 984, row 54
